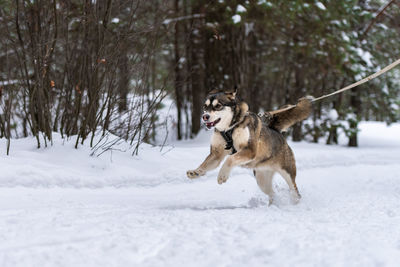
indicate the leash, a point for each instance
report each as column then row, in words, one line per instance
column 367, row 79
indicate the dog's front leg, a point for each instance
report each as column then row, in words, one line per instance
column 210, row 163
column 240, row 158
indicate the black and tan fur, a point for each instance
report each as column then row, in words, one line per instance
column 260, row 145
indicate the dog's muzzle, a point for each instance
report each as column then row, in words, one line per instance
column 211, row 124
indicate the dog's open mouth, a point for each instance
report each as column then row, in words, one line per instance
column 209, row 125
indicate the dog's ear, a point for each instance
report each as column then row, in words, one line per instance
column 231, row 93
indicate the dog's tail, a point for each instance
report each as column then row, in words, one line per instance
column 285, row 117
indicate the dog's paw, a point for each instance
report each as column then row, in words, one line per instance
column 222, row 178
column 192, row 174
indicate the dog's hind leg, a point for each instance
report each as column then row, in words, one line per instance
column 290, row 180
column 264, row 181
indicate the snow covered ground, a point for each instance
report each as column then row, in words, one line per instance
column 61, row 207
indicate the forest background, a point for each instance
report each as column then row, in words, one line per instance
column 83, row 68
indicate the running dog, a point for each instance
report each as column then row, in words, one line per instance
column 250, row 141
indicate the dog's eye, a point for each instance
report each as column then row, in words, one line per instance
column 218, row 106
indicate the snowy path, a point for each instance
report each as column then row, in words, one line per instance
column 59, row 207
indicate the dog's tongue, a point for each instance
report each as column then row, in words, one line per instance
column 210, row 124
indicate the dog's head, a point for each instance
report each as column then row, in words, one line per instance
column 219, row 109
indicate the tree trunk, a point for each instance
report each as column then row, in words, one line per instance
column 299, row 87
column 178, row 76
column 197, row 70
column 333, row 136
column 353, row 138
column 123, row 83
column 296, row 133
column 355, row 103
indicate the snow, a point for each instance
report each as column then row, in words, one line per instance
column 366, row 56
column 240, row 9
column 382, row 26
column 168, row 21
column 115, row 20
column 394, row 106
column 5, row 83
column 333, row 114
column 236, row 18
column 61, row 207
column 265, row 2
column 321, row 6
column 345, row 37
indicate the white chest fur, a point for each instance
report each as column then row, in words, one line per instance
column 240, row 137
column 217, row 139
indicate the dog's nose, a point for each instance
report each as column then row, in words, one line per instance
column 206, row 117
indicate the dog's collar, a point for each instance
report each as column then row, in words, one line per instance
column 227, row 135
